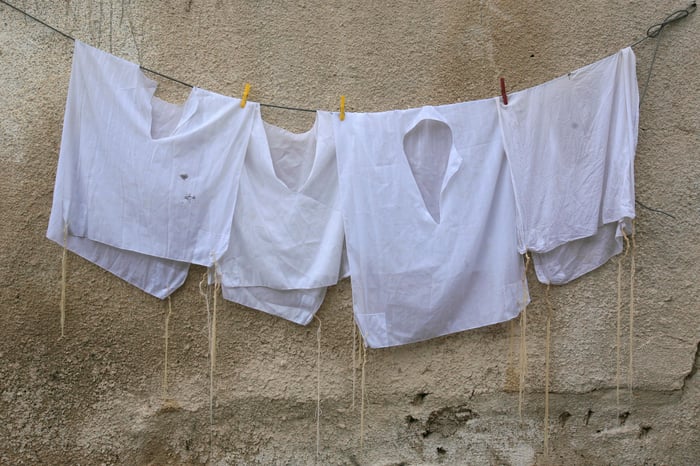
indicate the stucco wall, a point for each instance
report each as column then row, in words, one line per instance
column 95, row 396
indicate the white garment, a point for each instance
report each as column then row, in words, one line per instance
column 144, row 186
column 156, row 276
column 436, row 216
column 571, row 145
column 429, row 219
column 287, row 237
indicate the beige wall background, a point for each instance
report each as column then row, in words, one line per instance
column 96, row 396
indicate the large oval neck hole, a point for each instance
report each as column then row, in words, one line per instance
column 427, row 148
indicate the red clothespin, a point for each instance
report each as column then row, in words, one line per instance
column 504, row 96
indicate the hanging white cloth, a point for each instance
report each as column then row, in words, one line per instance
column 434, row 211
column 287, row 237
column 429, row 221
column 571, row 144
column 156, row 276
column 144, row 186
column 436, row 216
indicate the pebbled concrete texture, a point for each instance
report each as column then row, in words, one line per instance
column 96, row 396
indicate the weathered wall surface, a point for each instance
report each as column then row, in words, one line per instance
column 95, row 396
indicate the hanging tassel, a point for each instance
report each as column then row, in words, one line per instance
column 212, row 345
column 630, row 369
column 204, row 291
column 618, row 333
column 165, row 362
column 523, row 343
column 547, row 357
column 64, row 269
column 318, row 389
column 354, row 358
column 523, row 362
column 363, row 352
column 511, row 373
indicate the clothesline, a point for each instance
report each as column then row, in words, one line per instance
column 67, row 36
column 652, row 32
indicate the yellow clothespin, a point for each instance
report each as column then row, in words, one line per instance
column 342, row 107
column 246, row 91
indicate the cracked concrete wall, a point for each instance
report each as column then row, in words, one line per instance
column 95, row 396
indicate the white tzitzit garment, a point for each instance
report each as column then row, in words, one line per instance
column 429, row 216
column 436, row 216
column 571, row 144
column 144, row 186
column 287, row 237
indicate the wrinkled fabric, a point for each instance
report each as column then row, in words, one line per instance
column 429, row 217
column 156, row 276
column 287, row 236
column 143, row 186
column 436, row 204
column 439, row 202
column 570, row 144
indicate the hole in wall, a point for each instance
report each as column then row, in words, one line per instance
column 563, row 417
column 419, row 398
column 622, row 417
column 643, row 431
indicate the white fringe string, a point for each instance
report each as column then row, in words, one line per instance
column 363, row 351
column 618, row 332
column 318, row 389
column 204, row 291
column 64, row 269
column 630, row 369
column 523, row 343
column 166, row 337
column 354, row 358
column 547, row 357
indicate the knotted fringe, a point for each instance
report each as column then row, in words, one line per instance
column 630, row 369
column 523, row 362
column 318, row 389
column 354, row 358
column 363, row 353
column 618, row 332
column 523, row 342
column 64, row 269
column 204, row 291
column 547, row 357
column 212, row 344
column 510, row 381
column 166, row 338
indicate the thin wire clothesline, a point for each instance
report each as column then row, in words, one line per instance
column 652, row 32
column 67, row 36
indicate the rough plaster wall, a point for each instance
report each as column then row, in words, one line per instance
column 95, row 396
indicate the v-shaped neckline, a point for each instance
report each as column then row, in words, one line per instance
column 187, row 108
column 299, row 187
column 431, row 196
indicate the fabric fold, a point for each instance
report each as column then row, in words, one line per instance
column 570, row 144
column 145, row 187
column 287, row 240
